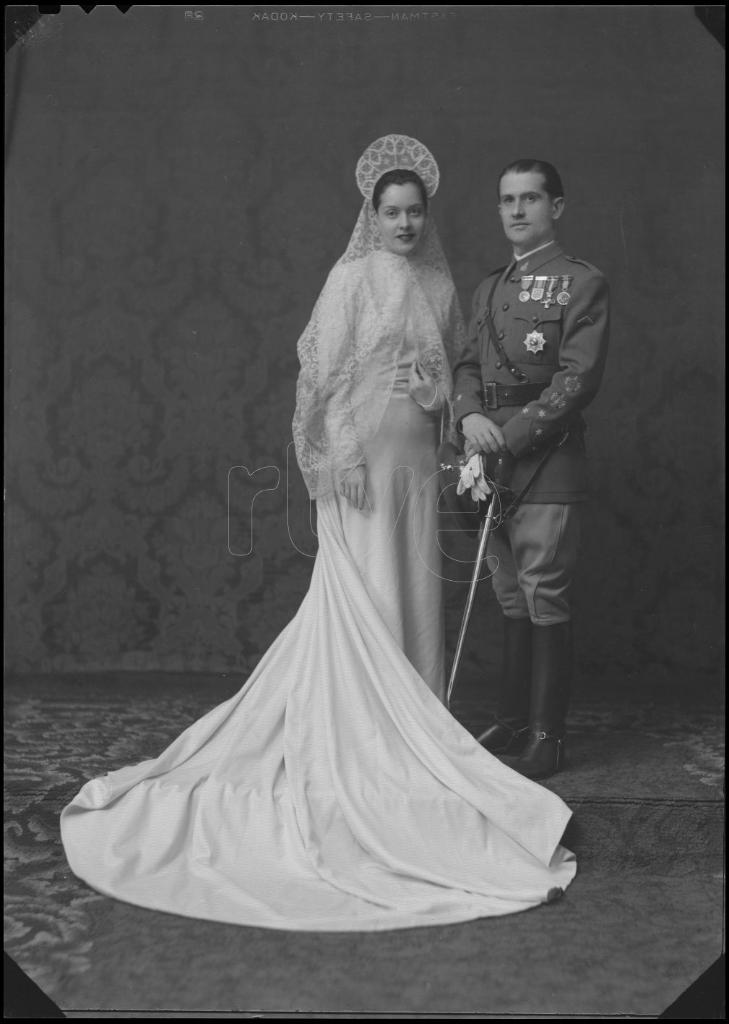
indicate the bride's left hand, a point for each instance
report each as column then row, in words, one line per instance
column 422, row 388
column 353, row 485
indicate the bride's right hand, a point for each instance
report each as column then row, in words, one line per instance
column 352, row 487
column 423, row 389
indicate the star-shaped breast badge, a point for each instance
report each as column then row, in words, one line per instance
column 535, row 341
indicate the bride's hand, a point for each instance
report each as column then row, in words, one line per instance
column 422, row 388
column 352, row 487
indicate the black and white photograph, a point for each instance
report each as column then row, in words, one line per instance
column 364, row 511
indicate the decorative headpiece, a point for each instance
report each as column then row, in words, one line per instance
column 396, row 152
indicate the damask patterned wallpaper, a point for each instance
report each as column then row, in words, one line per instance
column 178, row 188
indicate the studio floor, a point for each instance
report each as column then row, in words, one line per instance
column 643, row 919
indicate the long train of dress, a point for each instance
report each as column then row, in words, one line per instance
column 334, row 791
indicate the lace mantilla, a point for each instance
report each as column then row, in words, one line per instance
column 374, row 306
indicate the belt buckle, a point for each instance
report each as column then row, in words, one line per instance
column 489, row 392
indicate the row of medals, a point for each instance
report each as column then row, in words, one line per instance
column 541, row 289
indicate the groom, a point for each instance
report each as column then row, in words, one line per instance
column 534, row 358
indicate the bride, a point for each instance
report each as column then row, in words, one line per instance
column 334, row 791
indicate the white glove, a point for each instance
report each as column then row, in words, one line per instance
column 472, row 478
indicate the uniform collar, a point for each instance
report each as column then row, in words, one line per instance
column 531, row 262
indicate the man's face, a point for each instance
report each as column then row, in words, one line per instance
column 527, row 211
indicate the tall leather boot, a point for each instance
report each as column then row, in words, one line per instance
column 544, row 752
column 508, row 734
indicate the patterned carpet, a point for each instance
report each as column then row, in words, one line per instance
column 644, row 782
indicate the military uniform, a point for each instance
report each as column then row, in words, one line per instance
column 559, row 343
column 532, row 370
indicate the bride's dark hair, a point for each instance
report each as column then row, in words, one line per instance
column 400, row 176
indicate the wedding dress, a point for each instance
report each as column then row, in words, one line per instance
column 335, row 791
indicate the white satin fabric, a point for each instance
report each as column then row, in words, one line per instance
column 335, row 791
column 392, row 542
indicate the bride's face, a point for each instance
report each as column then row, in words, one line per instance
column 401, row 217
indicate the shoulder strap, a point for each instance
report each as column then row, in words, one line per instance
column 582, row 263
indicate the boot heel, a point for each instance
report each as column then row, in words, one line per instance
column 543, row 756
column 503, row 739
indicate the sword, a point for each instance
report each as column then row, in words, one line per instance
column 484, row 533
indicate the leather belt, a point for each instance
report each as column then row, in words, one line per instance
column 496, row 395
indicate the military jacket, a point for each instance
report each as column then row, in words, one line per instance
column 556, row 337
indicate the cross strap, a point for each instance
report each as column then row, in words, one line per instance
column 513, row 370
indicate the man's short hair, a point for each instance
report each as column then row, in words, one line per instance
column 552, row 181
